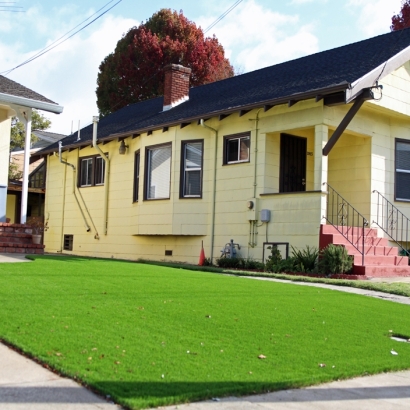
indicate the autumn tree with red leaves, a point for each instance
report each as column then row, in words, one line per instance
column 401, row 20
column 134, row 71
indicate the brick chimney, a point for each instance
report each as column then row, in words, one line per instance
column 176, row 85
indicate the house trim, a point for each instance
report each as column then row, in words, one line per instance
column 29, row 103
column 369, row 79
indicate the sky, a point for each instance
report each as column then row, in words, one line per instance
column 256, row 34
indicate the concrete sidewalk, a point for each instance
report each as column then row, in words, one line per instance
column 25, row 384
column 389, row 391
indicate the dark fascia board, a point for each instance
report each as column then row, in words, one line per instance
column 283, row 100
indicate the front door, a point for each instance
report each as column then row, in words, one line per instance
column 292, row 163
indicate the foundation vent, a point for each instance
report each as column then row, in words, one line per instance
column 68, row 242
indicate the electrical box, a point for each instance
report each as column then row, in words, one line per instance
column 252, row 206
column 265, row 215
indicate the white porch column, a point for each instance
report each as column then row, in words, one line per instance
column 4, row 160
column 320, row 161
column 27, row 146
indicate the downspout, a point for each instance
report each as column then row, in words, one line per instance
column 213, row 188
column 63, row 210
column 252, row 241
column 87, row 227
column 106, row 175
column 256, row 151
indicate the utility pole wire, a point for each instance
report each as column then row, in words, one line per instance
column 222, row 16
column 54, row 45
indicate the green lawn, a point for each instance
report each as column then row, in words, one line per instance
column 151, row 335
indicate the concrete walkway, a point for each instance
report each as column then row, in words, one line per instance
column 13, row 257
column 25, row 385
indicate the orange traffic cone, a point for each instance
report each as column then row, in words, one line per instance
column 202, row 255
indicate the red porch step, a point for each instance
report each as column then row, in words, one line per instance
column 16, row 238
column 381, row 260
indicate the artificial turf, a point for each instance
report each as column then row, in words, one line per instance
column 149, row 335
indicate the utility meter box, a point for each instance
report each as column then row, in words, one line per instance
column 252, row 206
column 265, row 215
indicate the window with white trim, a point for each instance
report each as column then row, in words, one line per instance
column 402, row 186
column 91, row 171
column 158, row 172
column 236, row 148
column 191, row 169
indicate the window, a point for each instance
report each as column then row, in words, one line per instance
column 191, row 169
column 37, row 179
column 158, row 172
column 136, row 175
column 92, row 171
column 236, row 148
column 402, row 186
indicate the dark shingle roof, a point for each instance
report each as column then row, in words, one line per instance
column 327, row 71
column 10, row 87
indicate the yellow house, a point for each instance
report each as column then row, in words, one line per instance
column 270, row 156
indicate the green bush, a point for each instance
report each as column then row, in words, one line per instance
column 306, row 260
column 239, row 263
column 335, row 259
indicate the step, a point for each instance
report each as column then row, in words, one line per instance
column 381, row 271
column 15, row 237
column 329, row 229
column 368, row 240
column 21, row 245
column 372, row 250
column 16, row 228
column 381, row 260
column 28, row 251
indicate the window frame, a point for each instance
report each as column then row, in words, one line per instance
column 399, row 140
column 182, row 194
column 239, row 136
column 94, row 159
column 137, row 174
column 146, row 170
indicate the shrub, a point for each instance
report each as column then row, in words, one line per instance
column 306, row 259
column 335, row 259
column 239, row 263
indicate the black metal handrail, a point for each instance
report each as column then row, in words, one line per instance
column 346, row 219
column 393, row 222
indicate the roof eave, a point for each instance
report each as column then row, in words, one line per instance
column 30, row 103
column 369, row 79
column 283, row 100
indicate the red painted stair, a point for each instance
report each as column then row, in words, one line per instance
column 16, row 238
column 380, row 260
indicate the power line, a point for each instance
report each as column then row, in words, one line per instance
column 222, row 16
column 8, row 6
column 57, row 42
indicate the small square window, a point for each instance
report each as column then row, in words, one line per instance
column 237, row 148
